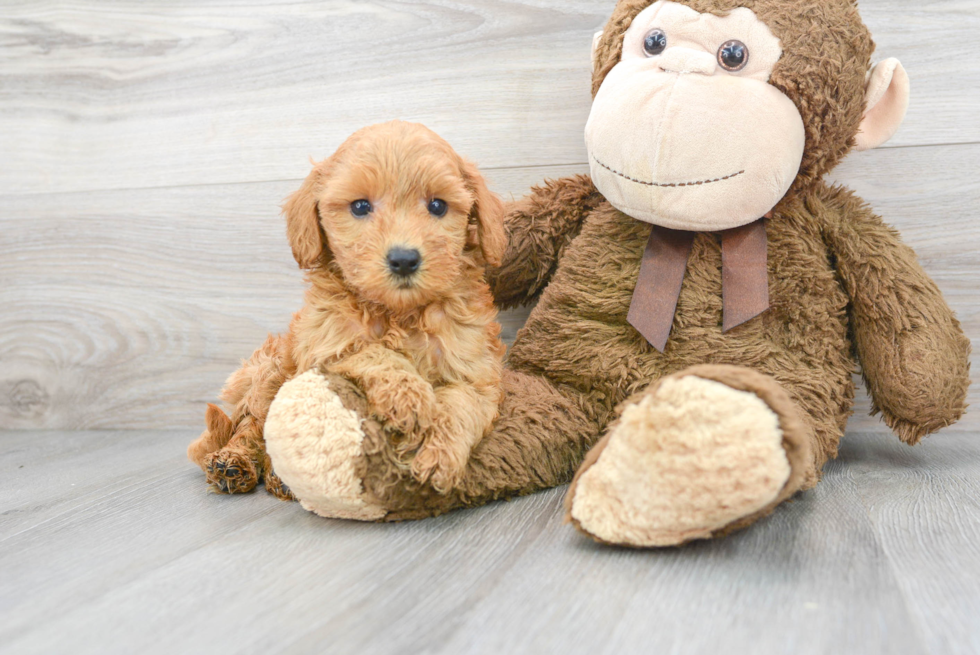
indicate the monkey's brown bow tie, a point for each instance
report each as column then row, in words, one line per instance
column 744, row 279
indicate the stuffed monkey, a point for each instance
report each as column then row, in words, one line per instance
column 702, row 298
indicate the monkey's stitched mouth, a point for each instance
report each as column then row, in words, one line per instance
column 660, row 184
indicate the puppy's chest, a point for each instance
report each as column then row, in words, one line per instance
column 425, row 348
column 427, row 351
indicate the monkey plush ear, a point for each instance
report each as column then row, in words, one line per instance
column 488, row 214
column 886, row 101
column 303, row 220
column 595, row 45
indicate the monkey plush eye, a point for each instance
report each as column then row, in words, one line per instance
column 655, row 42
column 361, row 208
column 438, row 208
column 733, row 55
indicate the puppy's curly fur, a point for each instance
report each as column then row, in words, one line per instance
column 425, row 347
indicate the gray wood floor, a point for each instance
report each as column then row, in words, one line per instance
column 144, row 149
column 109, row 543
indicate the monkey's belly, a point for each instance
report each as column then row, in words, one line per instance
column 578, row 334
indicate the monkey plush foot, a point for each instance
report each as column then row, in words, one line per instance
column 314, row 441
column 690, row 458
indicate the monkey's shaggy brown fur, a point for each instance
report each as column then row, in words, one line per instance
column 844, row 290
column 842, row 287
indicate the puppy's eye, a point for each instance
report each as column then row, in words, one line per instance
column 361, row 208
column 438, row 207
column 733, row 55
column 655, row 42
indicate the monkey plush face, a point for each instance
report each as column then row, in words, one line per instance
column 685, row 131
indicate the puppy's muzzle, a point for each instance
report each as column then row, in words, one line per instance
column 404, row 262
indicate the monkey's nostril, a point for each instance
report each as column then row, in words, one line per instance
column 403, row 262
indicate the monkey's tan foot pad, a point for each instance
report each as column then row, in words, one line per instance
column 230, row 472
column 315, row 443
column 692, row 457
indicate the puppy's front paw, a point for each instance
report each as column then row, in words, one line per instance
column 405, row 401
column 442, row 468
column 275, row 486
column 441, row 461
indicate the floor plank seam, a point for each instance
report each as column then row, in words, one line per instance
column 145, row 572
column 516, row 167
column 913, row 616
column 135, row 487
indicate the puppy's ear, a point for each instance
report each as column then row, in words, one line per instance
column 488, row 213
column 303, row 220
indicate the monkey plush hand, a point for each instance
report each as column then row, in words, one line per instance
column 703, row 296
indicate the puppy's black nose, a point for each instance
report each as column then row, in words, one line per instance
column 403, row 262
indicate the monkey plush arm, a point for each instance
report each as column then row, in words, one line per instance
column 539, row 227
column 914, row 356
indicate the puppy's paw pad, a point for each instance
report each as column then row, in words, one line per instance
column 230, row 472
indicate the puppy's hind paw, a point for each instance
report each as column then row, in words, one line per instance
column 275, row 486
column 230, row 472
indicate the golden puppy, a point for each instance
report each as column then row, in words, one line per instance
column 395, row 230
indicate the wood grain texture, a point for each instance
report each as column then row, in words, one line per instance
column 928, row 526
column 177, row 92
column 129, row 308
column 110, row 544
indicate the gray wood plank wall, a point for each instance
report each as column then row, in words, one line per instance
column 146, row 147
